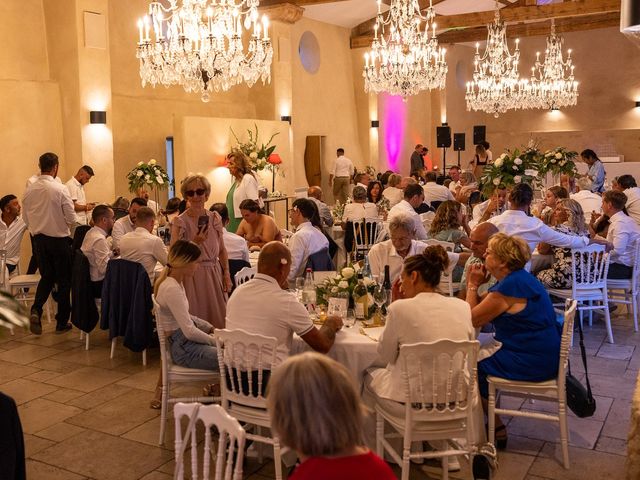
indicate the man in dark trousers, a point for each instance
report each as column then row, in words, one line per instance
column 48, row 211
column 417, row 161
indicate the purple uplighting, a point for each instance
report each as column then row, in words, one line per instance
column 394, row 121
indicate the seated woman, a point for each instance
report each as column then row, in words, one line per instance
column 374, row 191
column 255, row 227
column 450, row 225
column 316, row 410
column 548, row 205
column 393, row 192
column 468, row 185
column 359, row 209
column 568, row 218
column 521, row 311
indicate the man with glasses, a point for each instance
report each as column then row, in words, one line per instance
column 479, row 242
column 307, row 240
column 127, row 224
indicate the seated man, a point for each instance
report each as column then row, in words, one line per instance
column 282, row 315
column 315, row 194
column 434, row 192
column 96, row 248
column 142, row 246
column 307, row 239
column 489, row 208
column 359, row 209
column 479, row 237
column 589, row 201
column 256, row 227
column 127, row 224
column 413, row 198
column 627, row 185
column 236, row 245
column 12, row 228
column 621, row 237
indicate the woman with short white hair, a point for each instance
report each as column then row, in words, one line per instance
column 393, row 192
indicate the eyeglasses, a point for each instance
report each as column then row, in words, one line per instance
column 199, row 192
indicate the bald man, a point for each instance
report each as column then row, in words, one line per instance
column 479, row 241
column 315, row 194
column 264, row 306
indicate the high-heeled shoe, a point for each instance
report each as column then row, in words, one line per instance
column 501, row 442
column 156, row 403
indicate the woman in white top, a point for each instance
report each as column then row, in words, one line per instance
column 245, row 187
column 393, row 193
column 360, row 208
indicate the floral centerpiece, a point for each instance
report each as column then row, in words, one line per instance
column 384, row 205
column 343, row 283
column 258, row 153
column 338, row 210
column 148, row 175
column 558, row 161
column 510, row 169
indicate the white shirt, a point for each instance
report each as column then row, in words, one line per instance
column 449, row 318
column 453, row 186
column 478, row 212
column 534, row 231
column 384, row 253
column 47, row 208
column 436, row 193
column 633, row 203
column 153, row 205
column 174, row 313
column 280, row 317
column 622, row 233
column 236, row 246
column 145, row 248
column 589, row 201
column 76, row 191
column 306, row 241
column 405, row 207
column 247, row 189
column 11, row 238
column 343, row 167
column 358, row 211
column 34, row 178
column 394, row 195
column 121, row 227
column 96, row 248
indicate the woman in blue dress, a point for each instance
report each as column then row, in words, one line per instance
column 521, row 311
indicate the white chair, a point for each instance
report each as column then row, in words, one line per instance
column 626, row 291
column 172, row 373
column 231, row 440
column 446, row 286
column 365, row 233
column 246, row 361
column 4, row 275
column 589, row 270
column 427, row 219
column 550, row 390
column 440, row 390
column 23, row 287
column 244, row 275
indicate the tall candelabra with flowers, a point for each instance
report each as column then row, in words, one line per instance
column 148, row 175
column 510, row 169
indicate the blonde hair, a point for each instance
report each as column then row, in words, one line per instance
column 468, row 177
column 241, row 162
column 446, row 218
column 192, row 178
column 315, row 406
column 181, row 254
column 394, row 180
column 576, row 215
column 512, row 250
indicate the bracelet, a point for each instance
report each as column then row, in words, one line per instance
column 472, row 289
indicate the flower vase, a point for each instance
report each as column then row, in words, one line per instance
column 273, row 177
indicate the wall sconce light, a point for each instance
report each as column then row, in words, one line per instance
column 554, row 109
column 375, row 123
column 638, row 104
column 445, row 124
column 286, row 118
column 98, row 117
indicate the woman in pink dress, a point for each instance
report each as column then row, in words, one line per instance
column 207, row 289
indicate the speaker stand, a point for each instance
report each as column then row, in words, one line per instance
column 444, row 160
column 458, row 158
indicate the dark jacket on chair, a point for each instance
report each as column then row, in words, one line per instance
column 127, row 304
column 84, row 313
column 12, row 463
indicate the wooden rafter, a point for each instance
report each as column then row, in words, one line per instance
column 300, row 3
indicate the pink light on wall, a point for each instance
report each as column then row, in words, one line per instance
column 394, row 122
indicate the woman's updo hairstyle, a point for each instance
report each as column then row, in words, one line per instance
column 429, row 264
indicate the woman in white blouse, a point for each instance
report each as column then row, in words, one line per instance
column 360, row 208
column 245, row 187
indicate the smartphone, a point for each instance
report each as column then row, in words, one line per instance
column 203, row 222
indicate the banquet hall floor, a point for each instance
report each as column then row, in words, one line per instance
column 86, row 416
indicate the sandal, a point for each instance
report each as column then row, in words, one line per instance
column 484, row 462
column 156, row 403
column 501, row 440
column 211, row 390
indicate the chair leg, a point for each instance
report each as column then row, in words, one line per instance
column 81, row 334
column 113, row 347
column 491, row 413
column 590, row 313
column 445, row 467
column 406, row 465
column 163, row 412
column 260, row 445
column 144, row 357
column 634, row 306
column 277, row 459
column 379, row 435
column 564, row 433
column 607, row 319
column 86, row 342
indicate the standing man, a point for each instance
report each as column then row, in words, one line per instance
column 12, row 228
column 417, row 162
column 48, row 212
column 340, row 176
column 76, row 190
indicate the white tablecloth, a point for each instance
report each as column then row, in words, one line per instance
column 253, row 258
column 337, row 234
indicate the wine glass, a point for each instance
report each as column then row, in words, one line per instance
column 379, row 296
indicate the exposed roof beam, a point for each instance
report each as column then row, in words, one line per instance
column 300, row 3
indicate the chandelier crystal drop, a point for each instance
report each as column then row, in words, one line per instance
column 404, row 58
column 552, row 84
column 495, row 87
column 199, row 44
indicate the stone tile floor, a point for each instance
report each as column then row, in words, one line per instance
column 86, row 416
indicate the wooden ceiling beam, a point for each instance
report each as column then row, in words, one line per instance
column 299, row 3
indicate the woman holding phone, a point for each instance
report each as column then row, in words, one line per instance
column 207, row 289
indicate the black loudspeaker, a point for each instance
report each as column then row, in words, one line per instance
column 443, row 137
column 479, row 134
column 458, row 142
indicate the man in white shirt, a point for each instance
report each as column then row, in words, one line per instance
column 96, row 248
column 454, row 174
column 628, row 186
column 127, row 224
column 142, row 246
column 48, row 211
column 589, row 201
column 489, row 208
column 362, row 179
column 515, row 221
column 282, row 315
column 12, row 229
column 307, row 240
column 236, row 246
column 76, row 191
column 479, row 242
column 413, row 198
column 621, row 237
column 359, row 209
column 315, row 194
column 142, row 192
column 434, row 192
column 340, row 176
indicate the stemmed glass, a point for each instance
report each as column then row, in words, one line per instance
column 379, row 297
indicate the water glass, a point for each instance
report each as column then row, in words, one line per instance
column 350, row 319
column 299, row 287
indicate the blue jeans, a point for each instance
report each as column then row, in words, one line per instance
column 189, row 354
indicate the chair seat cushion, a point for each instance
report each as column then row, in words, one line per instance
column 500, row 382
column 588, row 293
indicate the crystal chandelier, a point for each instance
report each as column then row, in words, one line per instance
column 404, row 58
column 552, row 83
column 199, row 45
column 495, row 87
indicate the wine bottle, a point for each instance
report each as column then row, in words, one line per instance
column 361, row 299
column 387, row 284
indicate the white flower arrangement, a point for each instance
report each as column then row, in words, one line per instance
column 558, row 161
column 509, row 169
column 257, row 152
column 148, row 175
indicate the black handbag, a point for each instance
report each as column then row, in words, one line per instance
column 579, row 399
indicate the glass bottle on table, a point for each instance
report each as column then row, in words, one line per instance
column 361, row 299
column 366, row 269
column 309, row 292
column 387, row 284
